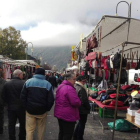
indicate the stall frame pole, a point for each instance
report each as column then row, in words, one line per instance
column 116, row 104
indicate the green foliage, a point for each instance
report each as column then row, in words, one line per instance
column 11, row 43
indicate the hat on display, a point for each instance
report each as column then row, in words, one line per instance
column 134, row 93
column 40, row 71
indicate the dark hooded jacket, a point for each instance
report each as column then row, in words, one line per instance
column 82, row 94
column 2, row 82
column 11, row 93
column 37, row 95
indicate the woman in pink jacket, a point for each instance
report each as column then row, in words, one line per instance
column 66, row 107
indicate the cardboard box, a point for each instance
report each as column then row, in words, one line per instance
column 130, row 118
column 131, row 112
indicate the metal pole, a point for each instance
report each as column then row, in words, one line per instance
column 26, row 51
column 116, row 104
column 130, row 10
column 128, row 7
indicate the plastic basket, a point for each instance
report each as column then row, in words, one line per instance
column 108, row 113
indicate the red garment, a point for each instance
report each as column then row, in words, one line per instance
column 82, row 73
column 106, row 74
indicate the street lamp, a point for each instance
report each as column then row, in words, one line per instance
column 27, row 49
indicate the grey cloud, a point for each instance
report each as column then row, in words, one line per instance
column 83, row 14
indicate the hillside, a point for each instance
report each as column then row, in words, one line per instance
column 58, row 56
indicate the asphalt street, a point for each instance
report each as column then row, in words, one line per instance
column 93, row 130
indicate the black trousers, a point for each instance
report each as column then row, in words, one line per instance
column 66, row 130
column 1, row 118
column 80, row 127
column 12, row 118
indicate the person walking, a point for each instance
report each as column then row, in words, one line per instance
column 37, row 98
column 84, row 109
column 66, row 107
column 11, row 95
column 2, row 82
column 52, row 80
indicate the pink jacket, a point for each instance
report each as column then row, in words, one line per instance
column 67, row 103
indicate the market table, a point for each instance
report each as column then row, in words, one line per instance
column 105, row 107
column 136, row 126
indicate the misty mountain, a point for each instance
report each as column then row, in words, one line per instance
column 58, row 56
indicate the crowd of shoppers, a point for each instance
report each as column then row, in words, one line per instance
column 30, row 102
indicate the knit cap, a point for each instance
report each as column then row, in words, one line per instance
column 40, row 71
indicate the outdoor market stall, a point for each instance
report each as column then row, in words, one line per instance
column 113, row 35
column 9, row 65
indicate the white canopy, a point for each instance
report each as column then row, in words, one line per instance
column 31, row 62
column 114, row 30
column 72, row 68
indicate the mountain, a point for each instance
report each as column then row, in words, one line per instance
column 58, row 56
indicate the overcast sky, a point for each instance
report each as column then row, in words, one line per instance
column 59, row 22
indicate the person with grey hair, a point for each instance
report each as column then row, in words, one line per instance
column 66, row 107
column 11, row 96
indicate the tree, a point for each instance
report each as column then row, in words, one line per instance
column 11, row 43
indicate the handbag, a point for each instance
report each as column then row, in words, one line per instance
column 92, row 55
column 102, row 91
column 108, row 63
column 110, row 91
column 124, row 61
column 113, row 96
column 137, row 77
column 93, row 42
column 113, row 102
column 105, row 64
column 102, row 62
column 116, row 60
column 138, row 65
column 99, row 55
column 133, row 64
column 94, row 95
column 107, row 102
column 125, row 87
column 128, row 63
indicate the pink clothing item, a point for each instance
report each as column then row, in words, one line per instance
column 67, row 103
column 106, row 74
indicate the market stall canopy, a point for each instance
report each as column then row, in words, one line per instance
column 72, row 68
column 114, row 30
column 31, row 62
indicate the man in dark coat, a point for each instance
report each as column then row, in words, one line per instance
column 12, row 90
column 84, row 109
column 2, row 82
column 52, row 80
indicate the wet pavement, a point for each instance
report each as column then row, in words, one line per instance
column 93, row 130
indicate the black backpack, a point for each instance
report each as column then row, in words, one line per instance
column 86, row 67
column 123, row 78
column 116, row 60
column 108, row 63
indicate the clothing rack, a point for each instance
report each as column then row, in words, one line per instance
column 124, row 44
